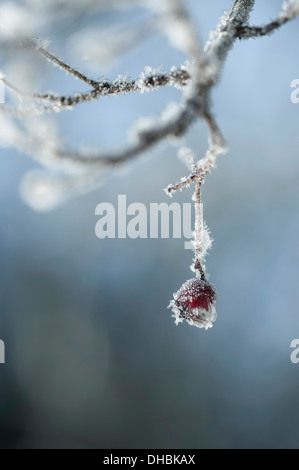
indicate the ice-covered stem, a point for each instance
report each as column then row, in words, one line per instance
column 198, row 81
column 177, row 25
column 193, row 105
column 183, row 183
column 290, row 10
column 217, row 147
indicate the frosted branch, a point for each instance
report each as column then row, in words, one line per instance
column 60, row 63
column 148, row 81
column 217, row 147
column 290, row 10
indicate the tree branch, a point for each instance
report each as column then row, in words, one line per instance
column 289, row 12
column 196, row 82
column 147, row 83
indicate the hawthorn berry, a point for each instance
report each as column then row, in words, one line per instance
column 195, row 303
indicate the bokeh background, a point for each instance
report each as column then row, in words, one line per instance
column 93, row 358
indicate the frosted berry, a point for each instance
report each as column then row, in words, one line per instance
column 195, row 303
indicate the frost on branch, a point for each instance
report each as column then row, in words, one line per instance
column 186, row 155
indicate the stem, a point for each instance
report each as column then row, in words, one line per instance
column 198, row 222
column 198, row 229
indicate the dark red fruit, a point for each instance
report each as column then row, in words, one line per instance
column 195, row 302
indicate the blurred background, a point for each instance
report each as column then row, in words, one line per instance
column 93, row 358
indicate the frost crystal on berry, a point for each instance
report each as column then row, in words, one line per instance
column 195, row 302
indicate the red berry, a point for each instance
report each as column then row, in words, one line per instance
column 195, row 302
column 195, row 293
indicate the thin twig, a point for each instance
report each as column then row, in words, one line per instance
column 196, row 90
column 178, row 77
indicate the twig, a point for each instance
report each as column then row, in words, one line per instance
column 178, row 77
column 60, row 63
